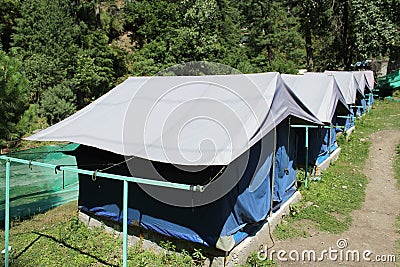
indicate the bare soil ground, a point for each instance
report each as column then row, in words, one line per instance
column 372, row 226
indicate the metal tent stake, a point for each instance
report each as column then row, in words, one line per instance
column 125, row 180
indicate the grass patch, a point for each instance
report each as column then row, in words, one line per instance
column 327, row 204
column 254, row 261
column 59, row 238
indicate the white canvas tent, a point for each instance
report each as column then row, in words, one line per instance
column 361, row 80
column 352, row 93
column 369, row 75
column 167, row 119
column 217, row 131
column 348, row 85
column 320, row 93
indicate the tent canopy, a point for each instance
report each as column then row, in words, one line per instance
column 361, row 80
column 348, row 85
column 187, row 120
column 369, row 75
column 320, row 93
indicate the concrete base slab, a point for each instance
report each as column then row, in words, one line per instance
column 335, row 154
column 146, row 240
column 327, row 162
column 348, row 132
column 151, row 241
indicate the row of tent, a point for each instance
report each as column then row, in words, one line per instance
column 233, row 134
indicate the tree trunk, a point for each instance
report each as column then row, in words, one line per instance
column 346, row 54
column 309, row 50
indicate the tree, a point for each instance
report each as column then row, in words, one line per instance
column 13, row 96
column 8, row 13
column 273, row 41
column 44, row 39
column 315, row 20
column 165, row 33
column 391, row 9
column 362, row 30
column 61, row 42
column 57, row 103
column 374, row 32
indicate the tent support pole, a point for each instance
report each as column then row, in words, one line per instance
column 125, row 224
column 306, row 144
column 273, row 176
column 7, row 213
column 329, row 140
column 306, row 178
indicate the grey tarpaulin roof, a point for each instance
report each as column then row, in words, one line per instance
column 369, row 75
column 319, row 92
column 361, row 77
column 347, row 84
column 188, row 120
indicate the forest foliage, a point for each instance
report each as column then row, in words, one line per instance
column 57, row 56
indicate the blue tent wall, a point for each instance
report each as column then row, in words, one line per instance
column 285, row 163
column 245, row 204
column 318, row 140
column 371, row 99
column 333, row 144
column 346, row 122
column 321, row 142
column 358, row 111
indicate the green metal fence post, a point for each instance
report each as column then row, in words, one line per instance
column 125, row 224
column 329, row 139
column 7, row 212
column 306, row 178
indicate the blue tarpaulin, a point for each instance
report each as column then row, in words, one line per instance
column 246, row 204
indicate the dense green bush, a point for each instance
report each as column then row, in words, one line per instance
column 13, row 96
column 57, row 103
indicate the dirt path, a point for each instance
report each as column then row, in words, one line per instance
column 373, row 225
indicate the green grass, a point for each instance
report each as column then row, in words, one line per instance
column 254, row 261
column 327, row 204
column 59, row 238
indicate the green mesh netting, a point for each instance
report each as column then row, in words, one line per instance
column 36, row 189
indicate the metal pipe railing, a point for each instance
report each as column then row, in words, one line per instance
column 125, row 180
column 307, row 127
